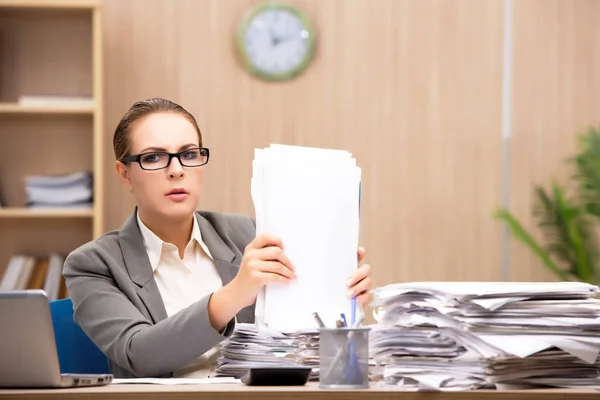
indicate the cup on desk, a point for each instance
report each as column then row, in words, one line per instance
column 344, row 358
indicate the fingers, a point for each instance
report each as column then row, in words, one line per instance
column 274, row 267
column 274, row 254
column 360, row 287
column 275, row 278
column 364, row 299
column 268, row 247
column 359, row 274
column 264, row 240
column 361, row 253
column 267, row 262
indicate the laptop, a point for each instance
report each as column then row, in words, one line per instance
column 28, row 355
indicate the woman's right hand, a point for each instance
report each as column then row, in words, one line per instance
column 263, row 262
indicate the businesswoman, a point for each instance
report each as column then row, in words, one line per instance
column 158, row 295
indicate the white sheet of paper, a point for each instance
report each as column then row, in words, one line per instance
column 585, row 348
column 176, row 381
column 493, row 304
column 309, row 199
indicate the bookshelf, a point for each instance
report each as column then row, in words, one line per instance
column 51, row 115
column 16, row 108
column 24, row 212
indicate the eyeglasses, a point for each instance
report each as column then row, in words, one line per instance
column 152, row 161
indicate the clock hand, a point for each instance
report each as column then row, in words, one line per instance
column 274, row 38
column 285, row 38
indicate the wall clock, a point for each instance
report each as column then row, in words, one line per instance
column 275, row 41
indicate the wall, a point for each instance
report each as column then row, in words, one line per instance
column 413, row 88
column 556, row 81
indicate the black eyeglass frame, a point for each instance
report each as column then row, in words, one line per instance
column 138, row 158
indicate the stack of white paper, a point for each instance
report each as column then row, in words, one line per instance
column 307, row 350
column 458, row 336
column 309, row 198
column 72, row 191
column 251, row 346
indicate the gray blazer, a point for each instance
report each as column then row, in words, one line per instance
column 118, row 305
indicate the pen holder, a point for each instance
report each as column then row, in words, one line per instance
column 344, row 358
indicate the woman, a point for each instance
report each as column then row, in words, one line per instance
column 159, row 295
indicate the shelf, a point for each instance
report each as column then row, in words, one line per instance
column 22, row 212
column 16, row 108
column 50, row 99
column 81, row 4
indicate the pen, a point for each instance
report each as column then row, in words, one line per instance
column 319, row 320
column 354, row 367
column 344, row 319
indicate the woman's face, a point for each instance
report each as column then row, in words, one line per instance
column 172, row 192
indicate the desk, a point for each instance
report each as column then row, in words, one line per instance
column 311, row 391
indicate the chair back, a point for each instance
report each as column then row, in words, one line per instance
column 77, row 354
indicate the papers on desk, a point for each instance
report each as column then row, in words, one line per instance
column 251, row 346
column 309, row 198
column 459, row 336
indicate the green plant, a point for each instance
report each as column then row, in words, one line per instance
column 568, row 222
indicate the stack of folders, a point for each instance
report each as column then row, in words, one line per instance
column 461, row 336
column 252, row 346
column 59, row 191
column 28, row 272
column 309, row 198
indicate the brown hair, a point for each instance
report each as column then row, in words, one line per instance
column 139, row 110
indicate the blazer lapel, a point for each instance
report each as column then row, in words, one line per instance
column 139, row 268
column 226, row 261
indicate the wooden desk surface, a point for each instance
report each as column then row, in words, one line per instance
column 234, row 391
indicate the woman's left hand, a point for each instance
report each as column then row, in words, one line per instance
column 359, row 283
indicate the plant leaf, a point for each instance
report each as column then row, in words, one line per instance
column 587, row 171
column 571, row 220
column 521, row 234
column 551, row 223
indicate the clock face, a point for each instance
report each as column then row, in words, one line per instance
column 275, row 42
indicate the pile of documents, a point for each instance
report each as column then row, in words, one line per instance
column 309, row 198
column 72, row 191
column 470, row 335
column 253, row 347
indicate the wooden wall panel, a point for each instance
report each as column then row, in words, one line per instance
column 556, row 81
column 44, row 52
column 412, row 88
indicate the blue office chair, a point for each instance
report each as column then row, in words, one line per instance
column 76, row 352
